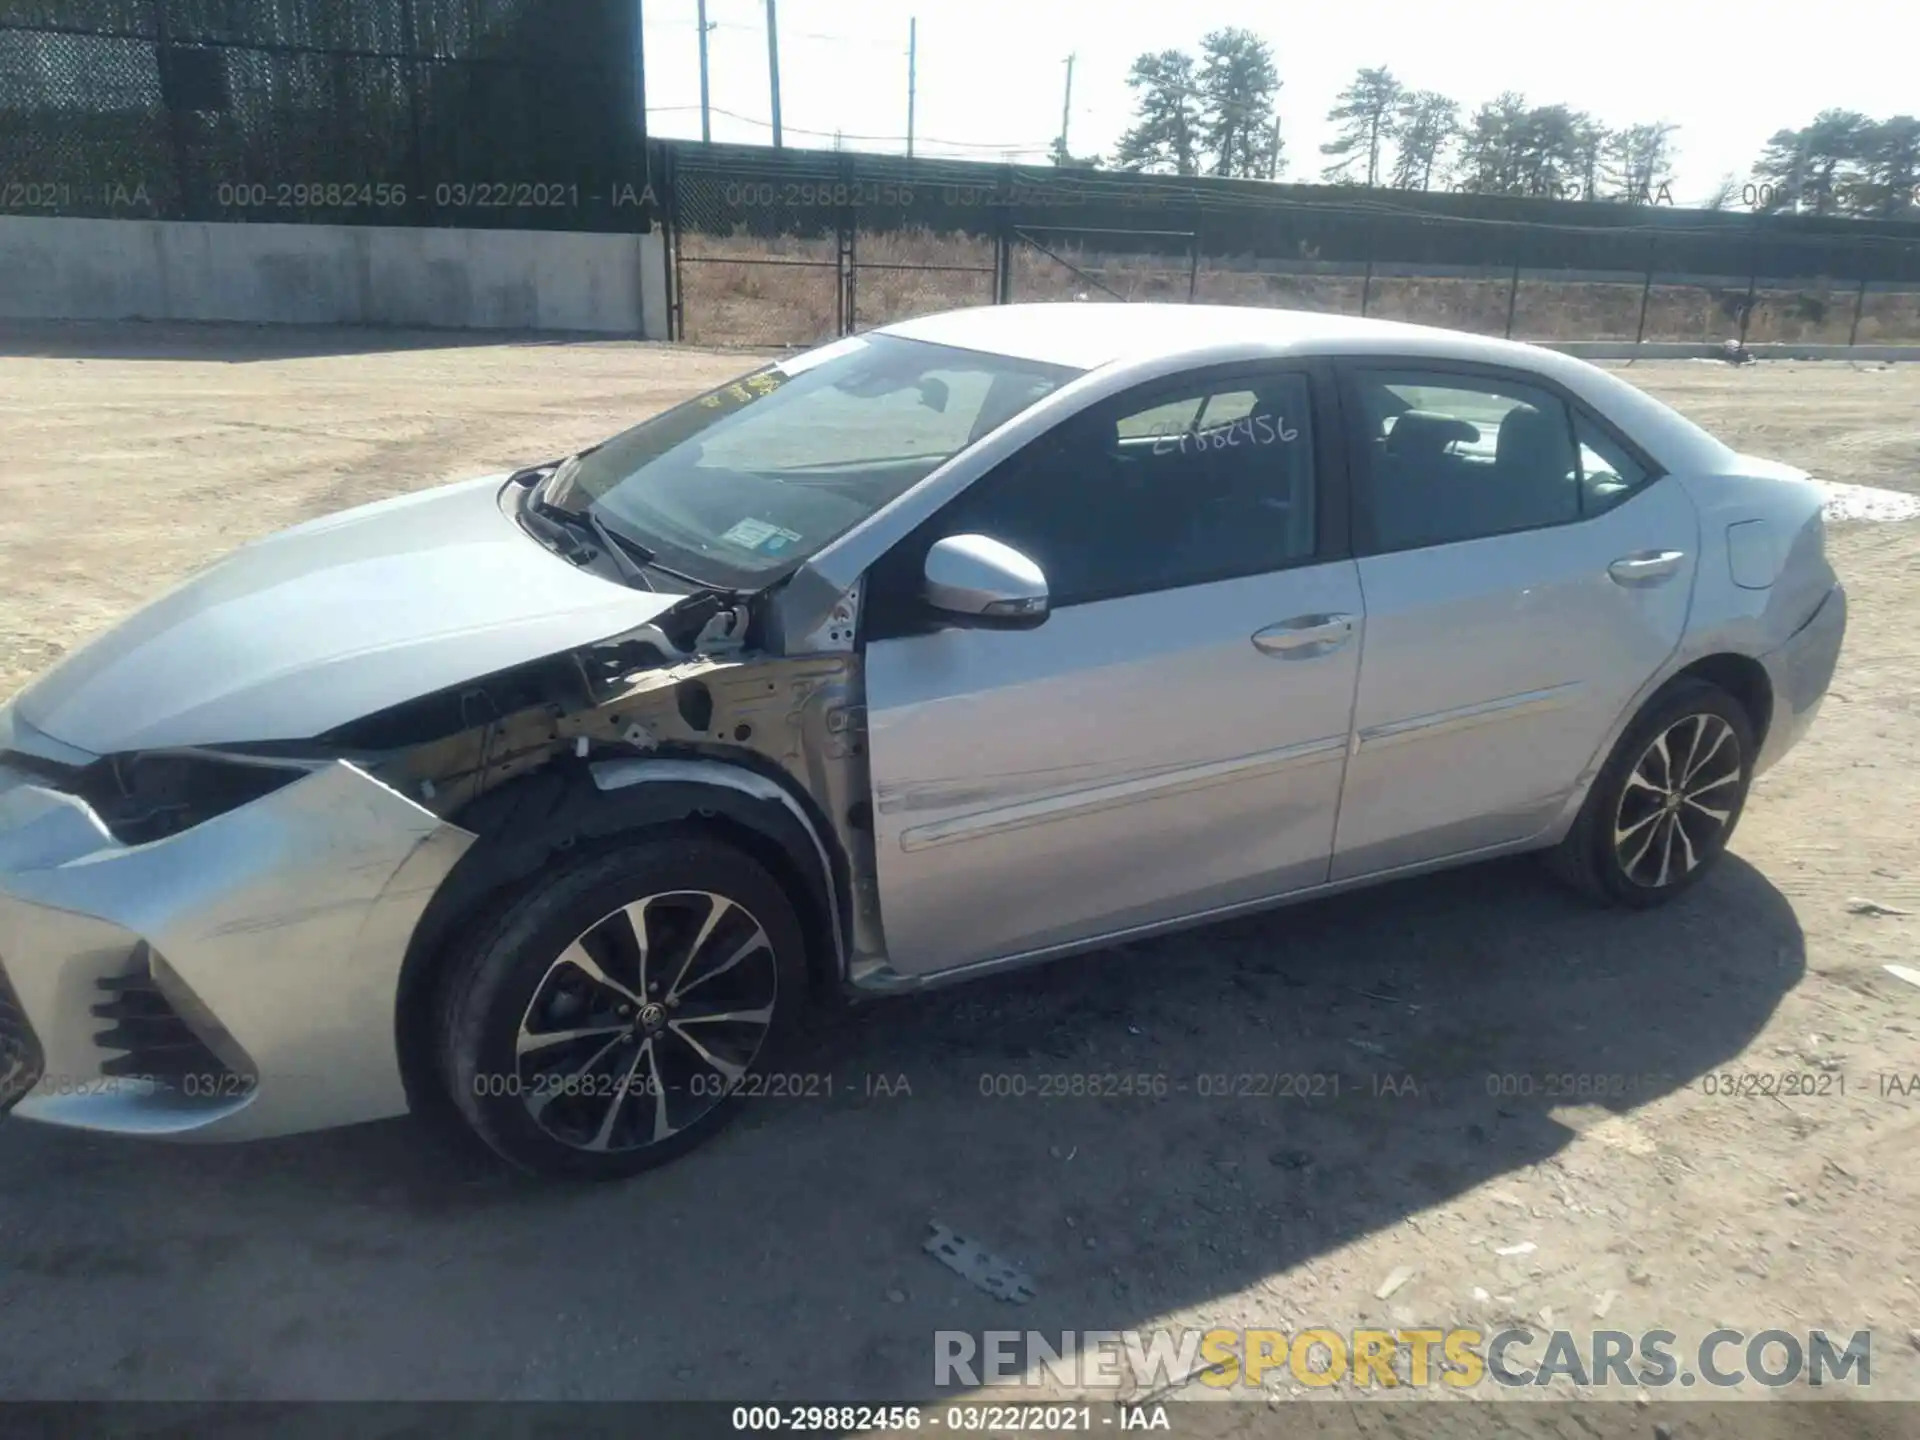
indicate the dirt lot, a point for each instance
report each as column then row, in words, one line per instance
column 785, row 1260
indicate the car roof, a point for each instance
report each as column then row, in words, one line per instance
column 1090, row 335
column 1098, row 335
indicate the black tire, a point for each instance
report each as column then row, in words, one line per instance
column 1590, row 860
column 544, row 1111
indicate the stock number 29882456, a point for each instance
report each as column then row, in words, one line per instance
column 804, row 194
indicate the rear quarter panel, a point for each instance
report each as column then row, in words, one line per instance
column 1748, row 619
column 1759, row 522
column 1755, row 586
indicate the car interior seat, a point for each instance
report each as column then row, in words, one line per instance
column 1246, row 492
column 1534, row 478
column 1416, row 477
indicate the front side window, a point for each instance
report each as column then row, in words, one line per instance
column 1446, row 458
column 1201, row 483
column 745, row 482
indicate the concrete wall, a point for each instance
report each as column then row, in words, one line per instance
column 67, row 269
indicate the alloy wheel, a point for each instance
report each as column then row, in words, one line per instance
column 646, row 1022
column 1678, row 800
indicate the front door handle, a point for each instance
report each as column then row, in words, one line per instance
column 1304, row 636
column 1647, row 567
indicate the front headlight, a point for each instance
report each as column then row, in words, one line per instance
column 149, row 795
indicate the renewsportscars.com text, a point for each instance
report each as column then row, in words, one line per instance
column 1459, row 1358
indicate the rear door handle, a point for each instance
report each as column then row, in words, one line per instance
column 1304, row 636
column 1647, row 567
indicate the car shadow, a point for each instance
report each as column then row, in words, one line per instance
column 1448, row 1017
column 234, row 343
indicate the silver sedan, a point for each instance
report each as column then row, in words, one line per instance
column 548, row 803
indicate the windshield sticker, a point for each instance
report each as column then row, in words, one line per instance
column 761, row 537
column 800, row 364
column 742, row 391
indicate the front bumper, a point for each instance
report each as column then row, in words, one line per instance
column 270, row 937
column 21, row 1062
column 1800, row 672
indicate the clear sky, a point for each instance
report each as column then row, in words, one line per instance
column 992, row 72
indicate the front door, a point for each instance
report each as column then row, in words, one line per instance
column 1171, row 739
column 1525, row 574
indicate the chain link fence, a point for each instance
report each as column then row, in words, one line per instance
column 796, row 256
column 1055, row 262
column 778, row 248
column 488, row 113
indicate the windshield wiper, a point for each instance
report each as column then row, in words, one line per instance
column 629, row 556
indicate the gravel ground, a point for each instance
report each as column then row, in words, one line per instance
column 784, row 1261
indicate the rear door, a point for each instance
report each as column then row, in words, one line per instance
column 1171, row 739
column 1525, row 572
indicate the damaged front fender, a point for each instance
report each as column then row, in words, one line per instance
column 676, row 722
column 826, row 878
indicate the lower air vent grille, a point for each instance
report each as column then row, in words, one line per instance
column 20, row 1057
column 156, row 1043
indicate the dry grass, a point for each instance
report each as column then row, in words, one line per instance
column 729, row 299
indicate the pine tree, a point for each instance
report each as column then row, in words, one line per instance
column 1368, row 114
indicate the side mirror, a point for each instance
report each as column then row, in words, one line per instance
column 976, row 580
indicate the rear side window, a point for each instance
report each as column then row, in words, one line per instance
column 1608, row 474
column 1446, row 458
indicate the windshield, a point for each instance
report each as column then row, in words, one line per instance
column 748, row 480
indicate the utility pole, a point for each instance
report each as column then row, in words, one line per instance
column 773, row 66
column 913, row 47
column 706, row 121
column 1066, row 113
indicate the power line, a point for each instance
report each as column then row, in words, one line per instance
column 1037, row 147
column 846, row 40
column 808, row 35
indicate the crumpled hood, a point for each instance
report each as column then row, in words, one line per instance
column 334, row 619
